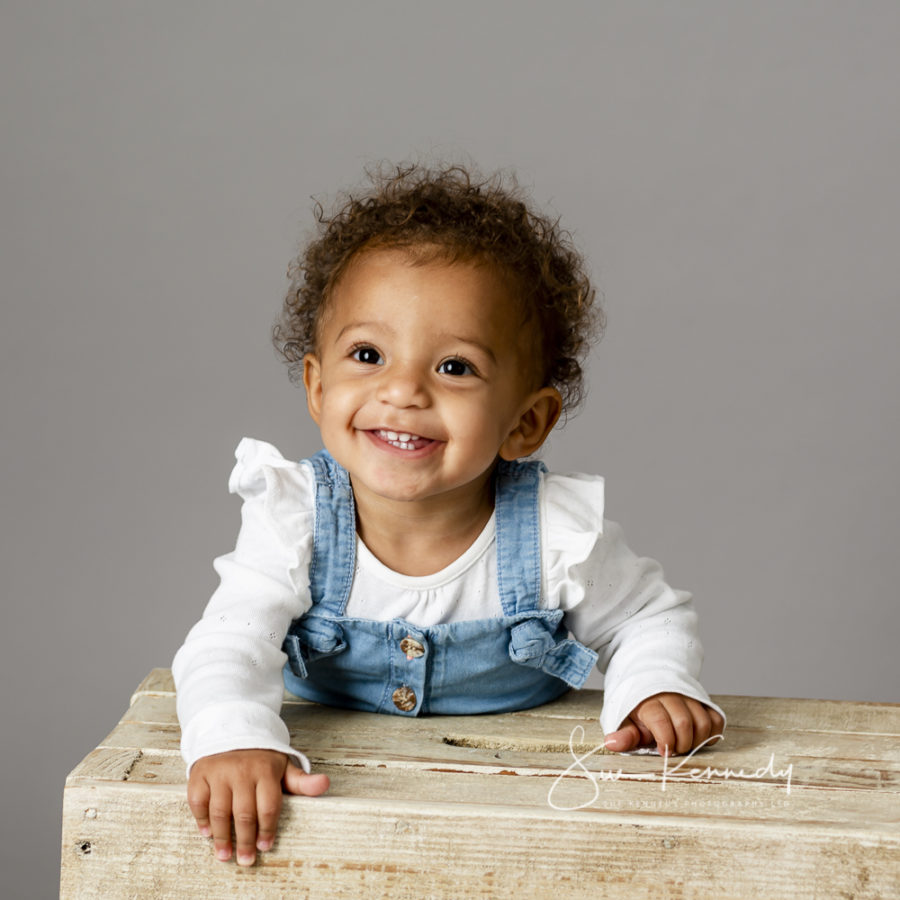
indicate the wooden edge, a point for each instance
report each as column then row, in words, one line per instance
column 158, row 682
column 849, row 716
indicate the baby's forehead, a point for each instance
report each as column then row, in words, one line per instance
column 449, row 275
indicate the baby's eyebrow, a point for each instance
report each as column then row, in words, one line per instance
column 474, row 342
column 381, row 326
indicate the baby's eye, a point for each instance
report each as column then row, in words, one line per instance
column 455, row 367
column 368, row 355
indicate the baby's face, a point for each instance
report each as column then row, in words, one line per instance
column 420, row 376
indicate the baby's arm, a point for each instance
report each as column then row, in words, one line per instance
column 229, row 682
column 646, row 637
column 228, row 675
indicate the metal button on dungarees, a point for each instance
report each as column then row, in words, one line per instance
column 411, row 647
column 404, row 698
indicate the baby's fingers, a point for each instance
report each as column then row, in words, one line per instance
column 682, row 721
column 220, row 821
column 268, row 808
column 702, row 727
column 630, row 735
column 245, row 823
column 198, row 800
column 708, row 724
column 655, row 717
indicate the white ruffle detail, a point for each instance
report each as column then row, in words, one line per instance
column 286, row 491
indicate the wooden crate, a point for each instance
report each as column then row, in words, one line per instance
column 516, row 805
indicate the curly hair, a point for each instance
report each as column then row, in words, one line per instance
column 448, row 214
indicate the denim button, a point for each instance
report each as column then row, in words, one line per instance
column 404, row 698
column 411, row 647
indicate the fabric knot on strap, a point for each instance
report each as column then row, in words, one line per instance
column 535, row 643
column 312, row 637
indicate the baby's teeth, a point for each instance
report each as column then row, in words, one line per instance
column 403, row 440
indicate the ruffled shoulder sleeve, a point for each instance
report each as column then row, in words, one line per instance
column 571, row 527
column 279, row 499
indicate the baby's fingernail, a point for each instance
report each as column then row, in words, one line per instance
column 246, row 859
column 609, row 742
column 264, row 844
column 204, row 831
column 223, row 853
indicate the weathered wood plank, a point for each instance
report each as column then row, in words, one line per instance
column 509, row 743
column 737, row 800
column 158, row 681
column 354, row 847
column 774, row 713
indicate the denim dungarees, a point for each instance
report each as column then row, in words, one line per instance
column 515, row 661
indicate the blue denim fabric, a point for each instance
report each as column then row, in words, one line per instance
column 515, row 661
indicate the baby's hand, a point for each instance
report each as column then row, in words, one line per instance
column 674, row 723
column 245, row 785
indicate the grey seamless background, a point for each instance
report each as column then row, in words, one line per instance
column 730, row 169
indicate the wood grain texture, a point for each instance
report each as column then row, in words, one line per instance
column 517, row 805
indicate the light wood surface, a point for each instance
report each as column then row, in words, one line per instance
column 517, row 805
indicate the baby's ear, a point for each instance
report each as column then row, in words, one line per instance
column 312, row 381
column 536, row 422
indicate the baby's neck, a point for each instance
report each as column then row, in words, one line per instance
column 415, row 539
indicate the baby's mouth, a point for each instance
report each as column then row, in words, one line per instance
column 402, row 440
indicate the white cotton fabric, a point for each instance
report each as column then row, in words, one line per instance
column 228, row 671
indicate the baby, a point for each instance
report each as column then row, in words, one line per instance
column 422, row 563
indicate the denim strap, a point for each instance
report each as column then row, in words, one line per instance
column 518, row 522
column 334, row 538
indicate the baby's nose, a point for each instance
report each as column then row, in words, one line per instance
column 404, row 386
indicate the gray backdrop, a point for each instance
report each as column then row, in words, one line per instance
column 729, row 168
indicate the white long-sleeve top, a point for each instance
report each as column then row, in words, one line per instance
column 228, row 671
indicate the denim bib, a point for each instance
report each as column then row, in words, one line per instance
column 515, row 661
